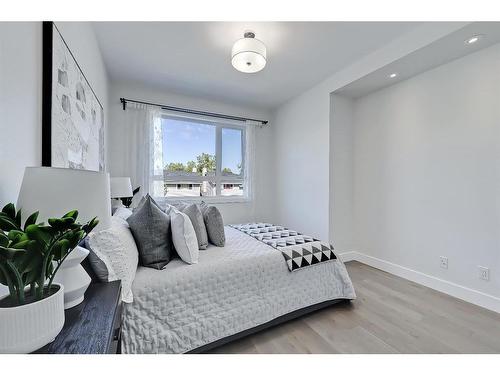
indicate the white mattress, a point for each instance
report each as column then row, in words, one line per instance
column 231, row 289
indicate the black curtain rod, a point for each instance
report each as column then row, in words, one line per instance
column 191, row 111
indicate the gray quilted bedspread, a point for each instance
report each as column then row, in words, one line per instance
column 231, row 289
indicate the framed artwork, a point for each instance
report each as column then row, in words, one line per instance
column 72, row 115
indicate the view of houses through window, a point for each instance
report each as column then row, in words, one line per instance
column 199, row 159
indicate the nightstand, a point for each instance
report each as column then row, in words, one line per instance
column 93, row 326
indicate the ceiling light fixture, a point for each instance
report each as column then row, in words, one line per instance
column 393, row 75
column 473, row 39
column 248, row 54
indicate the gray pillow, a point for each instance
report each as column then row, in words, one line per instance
column 150, row 227
column 143, row 200
column 98, row 267
column 194, row 213
column 214, row 224
column 179, row 205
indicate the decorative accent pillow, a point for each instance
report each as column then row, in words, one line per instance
column 177, row 204
column 144, row 199
column 151, row 229
column 194, row 213
column 184, row 237
column 97, row 265
column 123, row 213
column 116, row 249
column 214, row 224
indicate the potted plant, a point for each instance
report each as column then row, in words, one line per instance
column 32, row 314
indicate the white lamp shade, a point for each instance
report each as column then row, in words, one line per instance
column 55, row 191
column 248, row 55
column 121, row 187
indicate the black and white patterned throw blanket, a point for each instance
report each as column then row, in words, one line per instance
column 299, row 250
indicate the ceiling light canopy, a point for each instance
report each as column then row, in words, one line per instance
column 248, row 54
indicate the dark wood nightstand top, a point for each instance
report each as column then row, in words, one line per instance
column 93, row 326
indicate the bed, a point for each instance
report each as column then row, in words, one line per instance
column 233, row 291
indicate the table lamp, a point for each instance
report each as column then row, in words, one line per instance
column 121, row 188
column 55, row 191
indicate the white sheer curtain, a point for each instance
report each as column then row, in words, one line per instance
column 142, row 128
column 250, row 158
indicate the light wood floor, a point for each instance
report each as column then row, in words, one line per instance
column 390, row 315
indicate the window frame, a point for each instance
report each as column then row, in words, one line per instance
column 219, row 178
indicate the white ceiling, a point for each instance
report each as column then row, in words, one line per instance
column 193, row 58
column 440, row 52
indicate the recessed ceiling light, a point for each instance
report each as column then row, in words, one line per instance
column 393, row 75
column 473, row 39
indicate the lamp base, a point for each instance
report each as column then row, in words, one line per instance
column 73, row 277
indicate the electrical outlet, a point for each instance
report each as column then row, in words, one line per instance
column 443, row 262
column 484, row 273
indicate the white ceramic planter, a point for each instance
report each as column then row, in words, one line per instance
column 73, row 277
column 26, row 328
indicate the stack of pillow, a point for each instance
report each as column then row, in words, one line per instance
column 152, row 236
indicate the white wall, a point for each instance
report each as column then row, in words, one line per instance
column 427, row 171
column 20, row 104
column 341, row 174
column 301, row 155
column 259, row 208
column 21, row 90
column 301, row 130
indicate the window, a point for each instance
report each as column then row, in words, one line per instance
column 199, row 159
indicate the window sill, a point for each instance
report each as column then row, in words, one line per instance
column 210, row 200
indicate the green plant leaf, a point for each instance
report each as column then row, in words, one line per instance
column 4, row 239
column 30, row 266
column 21, row 245
column 18, row 218
column 72, row 214
column 3, row 279
column 60, row 249
column 8, row 253
column 39, row 234
column 7, row 224
column 74, row 237
column 10, row 210
column 68, row 220
column 14, row 235
column 34, row 246
column 31, row 219
column 56, row 223
column 90, row 225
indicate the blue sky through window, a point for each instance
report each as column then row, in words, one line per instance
column 183, row 141
column 231, row 149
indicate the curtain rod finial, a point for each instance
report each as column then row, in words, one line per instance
column 124, row 103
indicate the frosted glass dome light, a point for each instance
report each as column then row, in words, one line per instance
column 248, row 54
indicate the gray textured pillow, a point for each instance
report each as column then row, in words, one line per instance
column 150, row 227
column 214, row 224
column 177, row 204
column 97, row 265
column 143, row 200
column 196, row 217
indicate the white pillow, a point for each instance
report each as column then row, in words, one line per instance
column 122, row 213
column 117, row 249
column 184, row 237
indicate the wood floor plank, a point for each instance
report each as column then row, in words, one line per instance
column 390, row 315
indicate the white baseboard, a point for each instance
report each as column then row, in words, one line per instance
column 348, row 256
column 458, row 291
